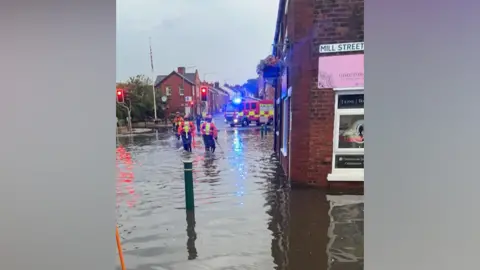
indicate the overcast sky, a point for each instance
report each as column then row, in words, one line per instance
column 225, row 38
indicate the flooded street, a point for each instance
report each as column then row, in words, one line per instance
column 246, row 216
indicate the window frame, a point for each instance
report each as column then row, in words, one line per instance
column 168, row 91
column 181, row 91
column 336, row 130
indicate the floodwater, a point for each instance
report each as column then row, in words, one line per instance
column 246, row 216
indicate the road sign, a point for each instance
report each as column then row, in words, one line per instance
column 342, row 47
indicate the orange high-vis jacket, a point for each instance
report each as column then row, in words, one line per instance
column 209, row 129
column 187, row 127
column 178, row 120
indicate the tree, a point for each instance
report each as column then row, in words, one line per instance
column 139, row 97
column 251, row 86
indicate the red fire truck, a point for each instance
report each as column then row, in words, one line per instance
column 244, row 111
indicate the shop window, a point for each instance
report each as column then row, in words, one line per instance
column 349, row 132
column 285, row 125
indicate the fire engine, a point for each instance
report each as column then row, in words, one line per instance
column 244, row 111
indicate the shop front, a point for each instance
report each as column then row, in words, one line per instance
column 344, row 74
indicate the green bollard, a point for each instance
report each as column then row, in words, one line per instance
column 189, row 196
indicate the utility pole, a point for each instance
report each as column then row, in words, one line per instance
column 153, row 82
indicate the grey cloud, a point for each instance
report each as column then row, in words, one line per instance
column 227, row 38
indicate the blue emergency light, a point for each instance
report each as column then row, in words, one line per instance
column 237, row 100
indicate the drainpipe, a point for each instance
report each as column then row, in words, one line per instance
column 289, row 138
column 280, row 15
column 275, row 115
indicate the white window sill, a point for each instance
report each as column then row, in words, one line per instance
column 346, row 177
column 284, row 151
column 344, row 199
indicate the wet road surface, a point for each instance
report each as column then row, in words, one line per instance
column 246, row 216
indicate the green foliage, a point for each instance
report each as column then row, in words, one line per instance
column 139, row 97
column 251, row 85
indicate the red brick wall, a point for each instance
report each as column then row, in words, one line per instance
column 175, row 101
column 311, row 23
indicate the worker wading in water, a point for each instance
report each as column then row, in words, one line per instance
column 186, row 131
column 209, row 134
column 177, row 122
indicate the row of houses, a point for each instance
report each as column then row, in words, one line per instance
column 319, row 115
column 180, row 92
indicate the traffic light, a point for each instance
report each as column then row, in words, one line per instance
column 203, row 93
column 120, row 96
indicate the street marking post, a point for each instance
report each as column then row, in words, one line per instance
column 189, row 194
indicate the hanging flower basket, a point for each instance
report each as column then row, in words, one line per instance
column 271, row 67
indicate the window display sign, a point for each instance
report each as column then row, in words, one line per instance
column 344, row 71
column 351, row 131
column 350, row 101
column 349, row 161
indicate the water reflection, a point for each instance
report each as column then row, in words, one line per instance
column 278, row 198
column 210, row 168
column 345, row 246
column 246, row 216
column 313, row 230
column 191, row 235
column 125, row 177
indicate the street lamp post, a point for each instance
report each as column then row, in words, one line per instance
column 153, row 83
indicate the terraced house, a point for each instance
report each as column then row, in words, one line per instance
column 180, row 91
column 319, row 98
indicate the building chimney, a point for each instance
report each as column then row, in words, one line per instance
column 181, row 70
column 217, row 85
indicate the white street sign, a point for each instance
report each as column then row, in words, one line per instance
column 341, row 47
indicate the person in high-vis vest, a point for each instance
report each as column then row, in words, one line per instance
column 209, row 134
column 177, row 122
column 187, row 132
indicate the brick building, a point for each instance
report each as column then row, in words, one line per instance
column 180, row 89
column 265, row 89
column 218, row 98
column 319, row 100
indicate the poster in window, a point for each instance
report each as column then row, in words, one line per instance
column 351, row 133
